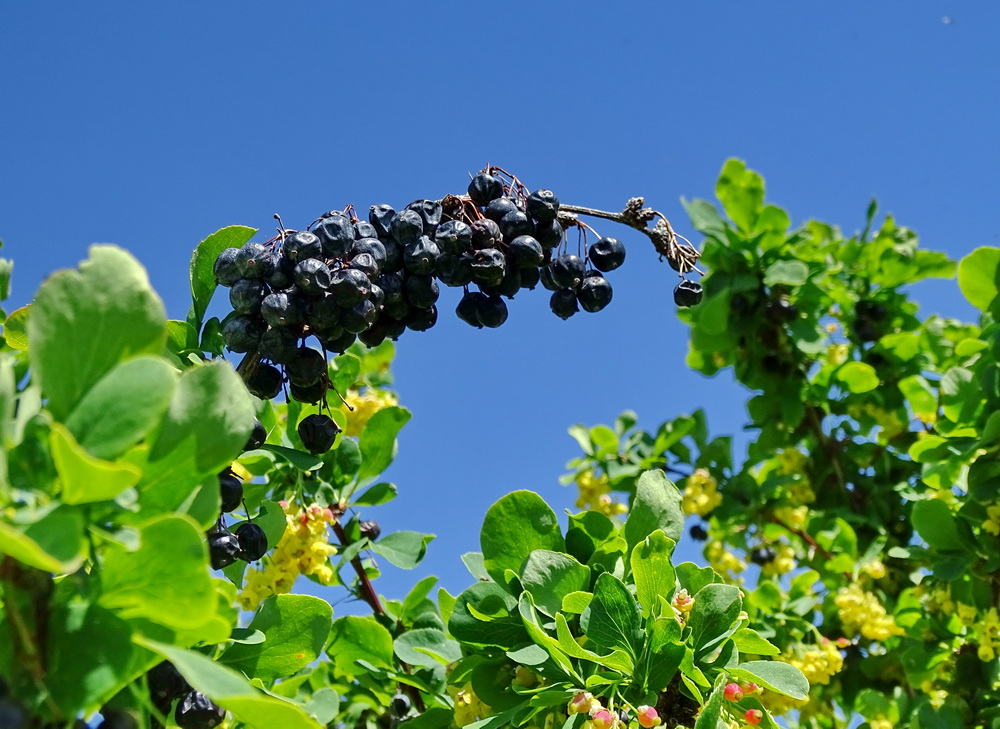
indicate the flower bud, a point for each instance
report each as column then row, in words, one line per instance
column 754, row 716
column 580, row 704
column 602, row 719
column 751, row 689
column 647, row 717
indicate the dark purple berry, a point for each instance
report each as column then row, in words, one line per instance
column 277, row 345
column 307, row 366
column 567, row 271
column 406, row 227
column 310, row 394
column 420, row 320
column 762, row 555
column 246, row 295
column 369, row 529
column 373, row 247
column 359, row 317
column 549, row 233
column 242, row 333
column 230, row 491
column 488, row 266
column 196, row 711
column 491, row 311
column 419, row 256
column 607, row 254
column 301, row 245
column 349, row 286
column 380, row 216
column 257, row 436
column 698, row 533
column 563, row 303
column 336, row 234
column 265, row 382
column 317, row 433
column 594, row 293
column 516, row 223
column 253, row 261
column 312, row 276
column 542, row 205
column 468, row 308
column 454, row 237
column 223, row 548
column 454, row 270
column 166, row 682
column 484, row 187
column 429, row 212
column 225, row 269
column 253, row 542
column 282, row 309
column 422, row 291
column 687, row 293
column 486, row 234
column 500, row 207
column 524, row 252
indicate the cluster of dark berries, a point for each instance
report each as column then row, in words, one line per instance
column 249, row 542
column 194, row 710
column 869, row 320
column 762, row 555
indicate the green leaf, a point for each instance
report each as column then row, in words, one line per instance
column 704, row 217
column 165, row 580
column 653, row 571
column 716, row 608
column 323, row 705
column 858, row 376
column 749, row 641
column 52, row 543
column 231, row 691
column 550, row 576
column 514, row 527
column 84, row 478
column 657, row 505
column 300, row 459
column 961, row 396
column 741, row 192
column 774, row 676
column 15, row 328
column 202, row 274
column 123, row 406
column 355, row 638
column 6, row 267
column 378, row 440
column 426, row 647
column 489, row 599
column 919, row 395
column 577, row 602
column 614, row 620
column 403, row 549
column 206, row 426
column 380, row 493
column 790, row 273
column 936, row 524
column 473, row 562
column 979, row 277
column 709, row 716
column 85, row 321
column 295, row 627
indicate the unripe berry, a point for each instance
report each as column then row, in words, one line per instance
column 754, row 716
column 732, row 692
column 751, row 689
column 647, row 717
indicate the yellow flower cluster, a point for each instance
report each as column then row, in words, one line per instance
column 880, row 722
column 468, row 707
column 992, row 523
column 794, row 517
column 784, row 561
column 792, row 461
column 701, row 493
column 818, row 663
column 304, row 549
column 861, row 612
column 874, row 569
column 595, row 494
column 722, row 560
column 365, row 405
column 987, row 632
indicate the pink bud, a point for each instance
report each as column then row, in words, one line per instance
column 647, row 717
column 751, row 689
column 580, row 704
column 602, row 719
column 754, row 716
column 732, row 692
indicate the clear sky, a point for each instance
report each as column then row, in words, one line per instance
column 151, row 125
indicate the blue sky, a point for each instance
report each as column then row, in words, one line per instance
column 151, row 125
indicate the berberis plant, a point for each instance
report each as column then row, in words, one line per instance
column 158, row 506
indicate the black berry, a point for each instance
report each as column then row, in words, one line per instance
column 525, row 252
column 542, row 205
column 762, row 555
column 594, row 293
column 312, row 276
column 563, row 303
column 223, row 548
column 282, row 309
column 484, row 188
column 317, row 433
column 491, row 311
column 225, row 269
column 567, row 271
column 336, row 234
column 698, row 533
column 369, row 529
column 607, row 254
column 265, row 382
column 687, row 293
column 306, row 367
column 252, row 540
column 231, row 492
column 242, row 333
column 302, row 245
column 196, row 711
column 257, row 436
column 454, row 236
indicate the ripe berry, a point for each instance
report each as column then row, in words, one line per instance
column 399, row 705
column 225, row 269
column 516, row 223
column 252, row 261
column 230, row 491
column 373, row 335
column 279, row 274
column 485, row 234
column 698, row 533
column 369, row 529
column 454, row 236
column 567, row 271
column 500, row 207
column 366, row 263
column 312, row 276
column 265, row 382
column 420, row 320
column 563, row 303
column 542, row 205
column 491, row 311
column 364, row 230
column 406, row 226
column 257, row 436
column 549, row 233
column 302, row 245
column 732, row 692
column 341, row 343
column 166, row 682
column 545, row 277
column 359, row 317
column 277, row 345
column 380, row 216
column 607, row 254
column 246, row 295
column 349, row 286
column 322, row 314
column 336, row 234
column 454, row 270
column 373, row 247
column 282, row 309
column 252, row 540
column 317, row 433
column 223, row 548
column 594, row 293
column 488, row 266
column 310, row 394
column 242, row 333
column 114, row 719
column 422, row 291
column 762, row 555
column 509, row 285
column 429, row 212
column 687, row 293
column 468, row 308
column 307, row 366
column 529, row 277
column 196, row 711
column 525, row 252
column 484, row 188
column 419, row 256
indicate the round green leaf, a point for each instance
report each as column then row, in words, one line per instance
column 514, row 527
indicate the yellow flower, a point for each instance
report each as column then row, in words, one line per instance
column 783, row 562
column 365, row 405
column 595, row 494
column 818, row 663
column 701, row 493
column 836, row 354
column 992, row 523
column 793, row 517
column 875, row 569
column 722, row 560
column 468, row 707
column 880, row 722
column 861, row 612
